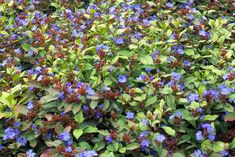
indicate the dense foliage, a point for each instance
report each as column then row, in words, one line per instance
column 117, row 78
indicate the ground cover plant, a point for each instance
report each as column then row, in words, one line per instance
column 117, row 78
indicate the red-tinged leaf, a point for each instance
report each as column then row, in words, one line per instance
column 229, row 117
column 47, row 153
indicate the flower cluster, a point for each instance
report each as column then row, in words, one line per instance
column 117, row 78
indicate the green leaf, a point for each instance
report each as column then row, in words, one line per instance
column 79, row 117
column 25, row 46
column 178, row 155
column 218, row 146
column 210, row 117
column 163, row 153
column 229, row 117
column 90, row 129
column 122, row 150
column 151, row 101
column 93, row 104
column 132, row 146
column 55, row 143
column 189, row 52
column 77, row 133
column 169, row 130
column 232, row 144
column 146, row 59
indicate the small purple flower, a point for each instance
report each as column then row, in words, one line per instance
column 212, row 93
column 60, row 95
column 30, row 153
column 204, row 34
column 187, row 63
column 10, row 133
column 169, row 5
column 122, row 79
column 119, row 40
column 224, row 153
column 64, row 136
column 160, row 138
column 211, row 137
column 155, row 53
column 198, row 153
column 88, row 153
column 145, row 143
column 69, row 149
column 130, row 115
column 85, row 108
column 109, row 139
column 1, row 147
column 208, row 127
column 145, row 121
column 22, row 140
column 199, row 135
column 176, row 114
column 148, row 69
column 90, row 91
column 17, row 124
column 30, row 105
column 141, row 78
column 175, row 76
column 224, row 90
column 146, row 23
column 190, row 16
column 192, row 97
column 171, row 83
column 143, row 134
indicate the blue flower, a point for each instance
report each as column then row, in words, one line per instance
column 122, row 79
column 224, row 90
column 145, row 143
column 90, row 91
column 64, row 136
column 30, row 153
column 211, row 93
column 192, row 97
column 22, row 140
column 148, row 69
column 30, row 105
column 109, row 139
column 204, row 34
column 119, row 40
column 17, row 124
column 199, row 135
column 145, row 121
column 160, row 138
column 211, row 137
column 141, row 77
column 208, row 127
column 171, row 83
column 146, row 22
column 143, row 134
column 224, row 153
column 198, row 153
column 175, row 76
column 69, row 149
column 155, row 53
column 85, row 108
column 130, row 115
column 60, row 95
column 169, row 5
column 10, row 133
column 88, row 153
column 187, row 63
column 176, row 114
column 1, row 147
